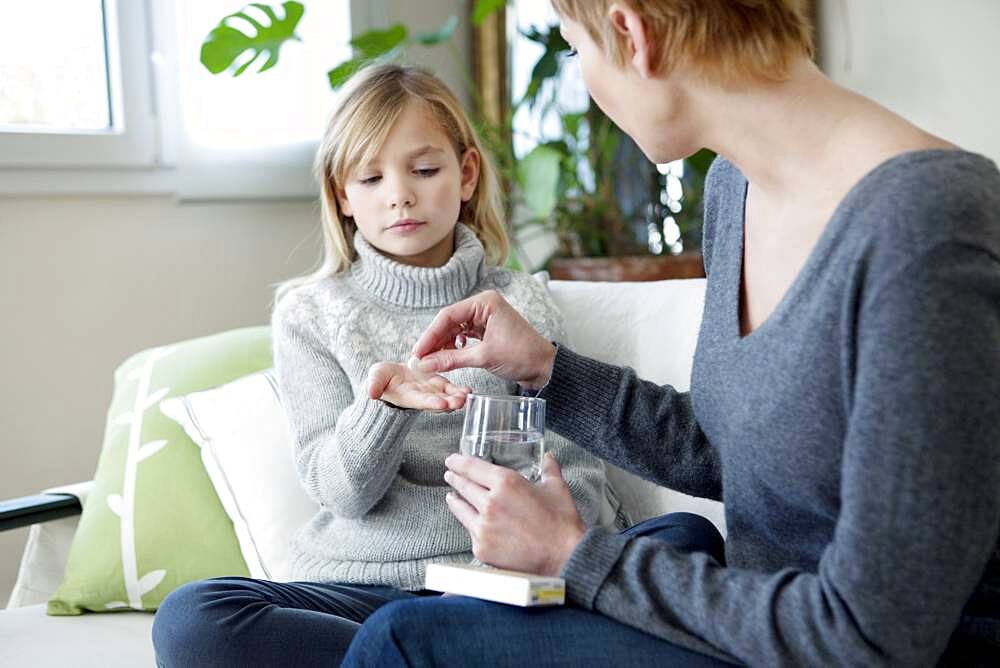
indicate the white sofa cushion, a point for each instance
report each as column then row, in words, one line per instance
column 653, row 328
column 29, row 637
column 246, row 448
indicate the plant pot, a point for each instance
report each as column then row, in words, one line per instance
column 627, row 268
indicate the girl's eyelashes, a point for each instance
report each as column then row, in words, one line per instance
column 571, row 53
column 424, row 172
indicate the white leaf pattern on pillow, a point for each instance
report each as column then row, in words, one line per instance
column 135, row 454
column 149, row 581
column 115, row 504
column 150, row 449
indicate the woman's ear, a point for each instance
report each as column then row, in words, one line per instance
column 470, row 173
column 630, row 26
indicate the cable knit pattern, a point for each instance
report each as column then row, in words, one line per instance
column 377, row 471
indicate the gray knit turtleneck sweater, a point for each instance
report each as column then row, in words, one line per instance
column 377, row 471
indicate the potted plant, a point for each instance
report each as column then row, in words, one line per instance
column 614, row 215
column 611, row 210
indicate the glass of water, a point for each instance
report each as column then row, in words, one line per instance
column 507, row 431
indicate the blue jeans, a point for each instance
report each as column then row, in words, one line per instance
column 245, row 622
column 460, row 631
column 237, row 621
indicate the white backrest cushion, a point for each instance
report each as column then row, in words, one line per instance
column 653, row 328
column 246, row 448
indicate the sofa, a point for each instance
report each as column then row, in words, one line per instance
column 651, row 327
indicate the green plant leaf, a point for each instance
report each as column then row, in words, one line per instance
column 375, row 43
column 571, row 123
column 442, row 34
column 547, row 65
column 340, row 74
column 538, row 176
column 484, row 8
column 225, row 44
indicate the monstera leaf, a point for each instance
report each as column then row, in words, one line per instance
column 367, row 47
column 383, row 45
column 225, row 44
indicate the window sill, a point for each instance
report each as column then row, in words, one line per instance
column 52, row 182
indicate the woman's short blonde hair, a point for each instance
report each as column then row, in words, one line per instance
column 370, row 104
column 724, row 39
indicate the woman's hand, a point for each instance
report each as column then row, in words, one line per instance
column 403, row 387
column 510, row 347
column 513, row 523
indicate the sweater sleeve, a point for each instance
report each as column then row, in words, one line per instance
column 644, row 428
column 582, row 471
column 348, row 449
column 919, row 514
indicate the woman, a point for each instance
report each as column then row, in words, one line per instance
column 845, row 390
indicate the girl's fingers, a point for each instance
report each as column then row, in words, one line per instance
column 456, row 401
column 457, row 389
column 379, row 377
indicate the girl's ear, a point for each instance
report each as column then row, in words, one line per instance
column 345, row 204
column 470, row 173
column 629, row 25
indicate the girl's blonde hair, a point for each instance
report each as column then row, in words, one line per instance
column 725, row 39
column 370, row 105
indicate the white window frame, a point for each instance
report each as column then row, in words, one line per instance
column 141, row 158
column 131, row 142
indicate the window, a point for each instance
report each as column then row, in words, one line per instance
column 74, row 85
column 117, row 85
column 253, row 134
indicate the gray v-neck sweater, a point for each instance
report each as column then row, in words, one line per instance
column 376, row 471
column 854, row 437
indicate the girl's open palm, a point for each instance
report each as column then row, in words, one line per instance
column 401, row 386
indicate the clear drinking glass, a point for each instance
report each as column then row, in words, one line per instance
column 507, row 431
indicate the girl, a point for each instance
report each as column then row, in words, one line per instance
column 412, row 222
column 844, row 399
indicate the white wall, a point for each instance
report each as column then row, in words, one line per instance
column 935, row 63
column 87, row 281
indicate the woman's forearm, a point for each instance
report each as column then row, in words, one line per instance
column 639, row 426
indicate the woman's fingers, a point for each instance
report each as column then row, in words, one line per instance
column 481, row 472
column 455, row 358
column 475, row 494
column 445, row 327
column 466, row 318
column 550, row 467
column 464, row 512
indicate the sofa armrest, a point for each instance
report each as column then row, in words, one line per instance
column 51, row 504
column 27, row 510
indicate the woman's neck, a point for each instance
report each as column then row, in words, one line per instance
column 803, row 135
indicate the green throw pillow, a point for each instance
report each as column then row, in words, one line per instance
column 153, row 520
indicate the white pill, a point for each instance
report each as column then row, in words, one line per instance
column 413, row 361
